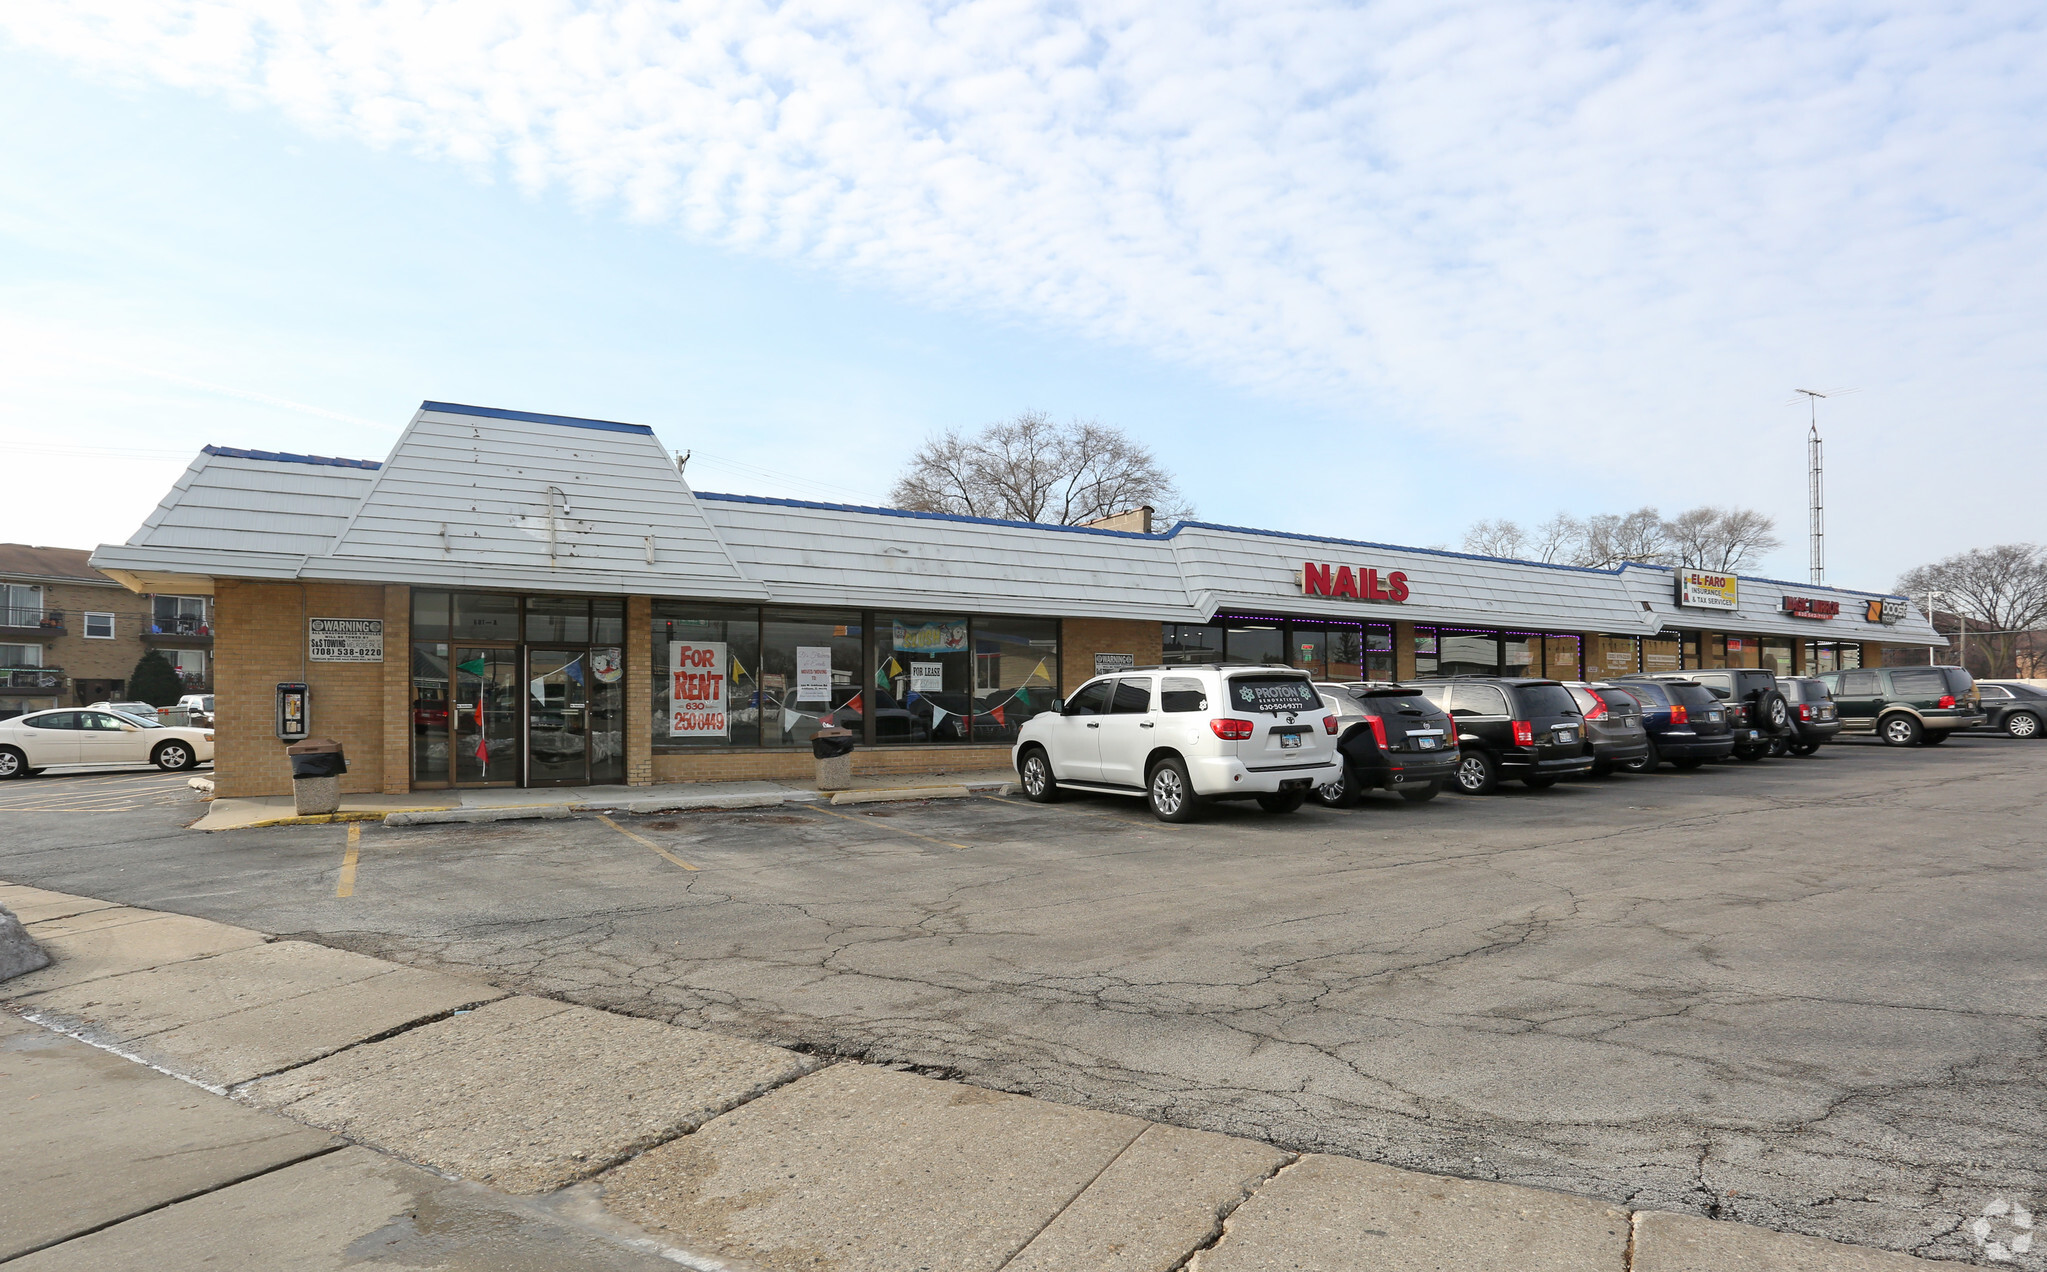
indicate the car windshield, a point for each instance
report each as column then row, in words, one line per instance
column 138, row 720
column 1273, row 693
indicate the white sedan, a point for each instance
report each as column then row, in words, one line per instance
column 31, row 743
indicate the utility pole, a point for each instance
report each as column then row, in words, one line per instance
column 1929, row 621
column 1815, row 478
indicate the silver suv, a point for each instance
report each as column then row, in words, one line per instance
column 1179, row 736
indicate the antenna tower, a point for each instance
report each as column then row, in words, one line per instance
column 1815, row 477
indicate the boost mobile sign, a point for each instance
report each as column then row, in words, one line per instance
column 1706, row 591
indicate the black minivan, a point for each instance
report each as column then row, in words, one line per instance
column 1394, row 739
column 1511, row 728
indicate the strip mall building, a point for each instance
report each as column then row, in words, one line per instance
column 521, row 599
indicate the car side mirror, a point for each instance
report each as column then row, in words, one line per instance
column 129, row 728
column 1059, row 705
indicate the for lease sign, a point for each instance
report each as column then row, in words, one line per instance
column 1707, row 591
column 357, row 640
column 696, row 689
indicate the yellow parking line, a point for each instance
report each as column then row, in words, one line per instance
column 643, row 841
column 345, row 886
column 868, row 821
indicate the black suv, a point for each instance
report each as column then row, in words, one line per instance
column 1905, row 706
column 1757, row 714
column 1509, row 728
column 1814, row 718
column 1394, row 739
column 1687, row 725
column 1615, row 736
column 2014, row 706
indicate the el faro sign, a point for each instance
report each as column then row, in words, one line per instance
column 1363, row 584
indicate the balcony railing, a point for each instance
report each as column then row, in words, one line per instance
column 181, row 626
column 32, row 618
column 33, row 679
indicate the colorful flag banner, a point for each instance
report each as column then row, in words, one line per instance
column 938, row 715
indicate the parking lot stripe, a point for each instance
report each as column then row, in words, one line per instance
column 868, row 821
column 1064, row 808
column 345, row 885
column 646, row 842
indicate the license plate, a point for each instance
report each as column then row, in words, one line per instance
column 1426, row 744
column 1289, row 741
column 1566, row 735
column 1713, row 717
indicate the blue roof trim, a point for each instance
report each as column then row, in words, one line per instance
column 281, row 457
column 931, row 516
column 530, row 417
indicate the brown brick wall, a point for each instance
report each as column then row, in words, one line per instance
column 397, row 696
column 1080, row 639
column 1403, row 651
column 639, row 690
column 260, row 641
column 784, row 765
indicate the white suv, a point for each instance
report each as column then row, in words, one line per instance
column 1177, row 736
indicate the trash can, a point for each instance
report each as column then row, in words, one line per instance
column 833, row 750
column 316, row 768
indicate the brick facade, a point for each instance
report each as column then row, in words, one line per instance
column 796, row 764
column 639, row 693
column 1080, row 639
column 397, row 695
column 260, row 631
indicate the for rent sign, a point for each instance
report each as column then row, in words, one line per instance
column 1362, row 584
column 355, row 640
column 696, row 689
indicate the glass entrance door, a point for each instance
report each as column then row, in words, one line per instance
column 557, row 717
column 486, row 716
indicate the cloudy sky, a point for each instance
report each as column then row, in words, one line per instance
column 1374, row 270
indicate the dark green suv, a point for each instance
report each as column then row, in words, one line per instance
column 1905, row 706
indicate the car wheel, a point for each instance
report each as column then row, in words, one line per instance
column 1341, row 793
column 1421, row 794
column 173, row 757
column 2022, row 724
column 12, row 764
column 1039, row 786
column 1645, row 763
column 1282, row 801
column 1686, row 766
column 1934, row 737
column 1804, row 748
column 1169, row 793
column 1538, row 783
column 1899, row 730
column 1477, row 774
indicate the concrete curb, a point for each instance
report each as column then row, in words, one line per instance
column 684, row 804
column 447, row 816
column 905, row 793
column 322, row 819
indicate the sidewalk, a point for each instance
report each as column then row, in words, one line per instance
column 270, row 810
column 558, row 1136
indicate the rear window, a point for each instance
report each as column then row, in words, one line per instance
column 1583, row 697
column 1546, row 700
column 1959, row 681
column 1692, row 695
column 1648, row 693
column 1805, row 690
column 1183, row 693
column 1273, row 693
column 1920, row 682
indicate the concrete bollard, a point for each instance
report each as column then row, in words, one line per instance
column 835, row 773
column 312, row 796
column 19, row 954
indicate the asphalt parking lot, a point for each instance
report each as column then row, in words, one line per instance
column 1805, row 993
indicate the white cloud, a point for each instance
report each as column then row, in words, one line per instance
column 1545, row 224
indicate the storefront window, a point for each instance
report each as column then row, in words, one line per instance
column 430, row 706
column 1521, row 654
column 1016, row 663
column 430, row 615
column 1307, row 647
column 924, row 680
column 1248, row 641
column 1426, row 643
column 558, row 620
column 1664, row 654
column 1827, row 655
column 1193, row 643
column 607, row 620
column 1379, row 651
column 705, row 640
column 1467, row 653
column 1346, row 653
column 485, row 616
column 1614, row 656
column 1563, row 656
column 811, row 674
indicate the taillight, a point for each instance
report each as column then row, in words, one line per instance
column 1524, row 733
column 1947, row 700
column 1329, row 724
column 1231, row 730
column 1598, row 711
column 1378, row 731
column 1678, row 714
column 1805, row 711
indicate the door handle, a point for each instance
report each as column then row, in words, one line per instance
column 1093, row 725
column 1145, row 725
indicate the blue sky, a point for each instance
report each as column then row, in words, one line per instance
column 1369, row 271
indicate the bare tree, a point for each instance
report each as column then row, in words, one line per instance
column 1726, row 540
column 1613, row 539
column 2001, row 592
column 1501, row 538
column 1557, row 539
column 1032, row 469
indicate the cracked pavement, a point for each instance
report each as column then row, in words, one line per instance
column 1804, row 994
